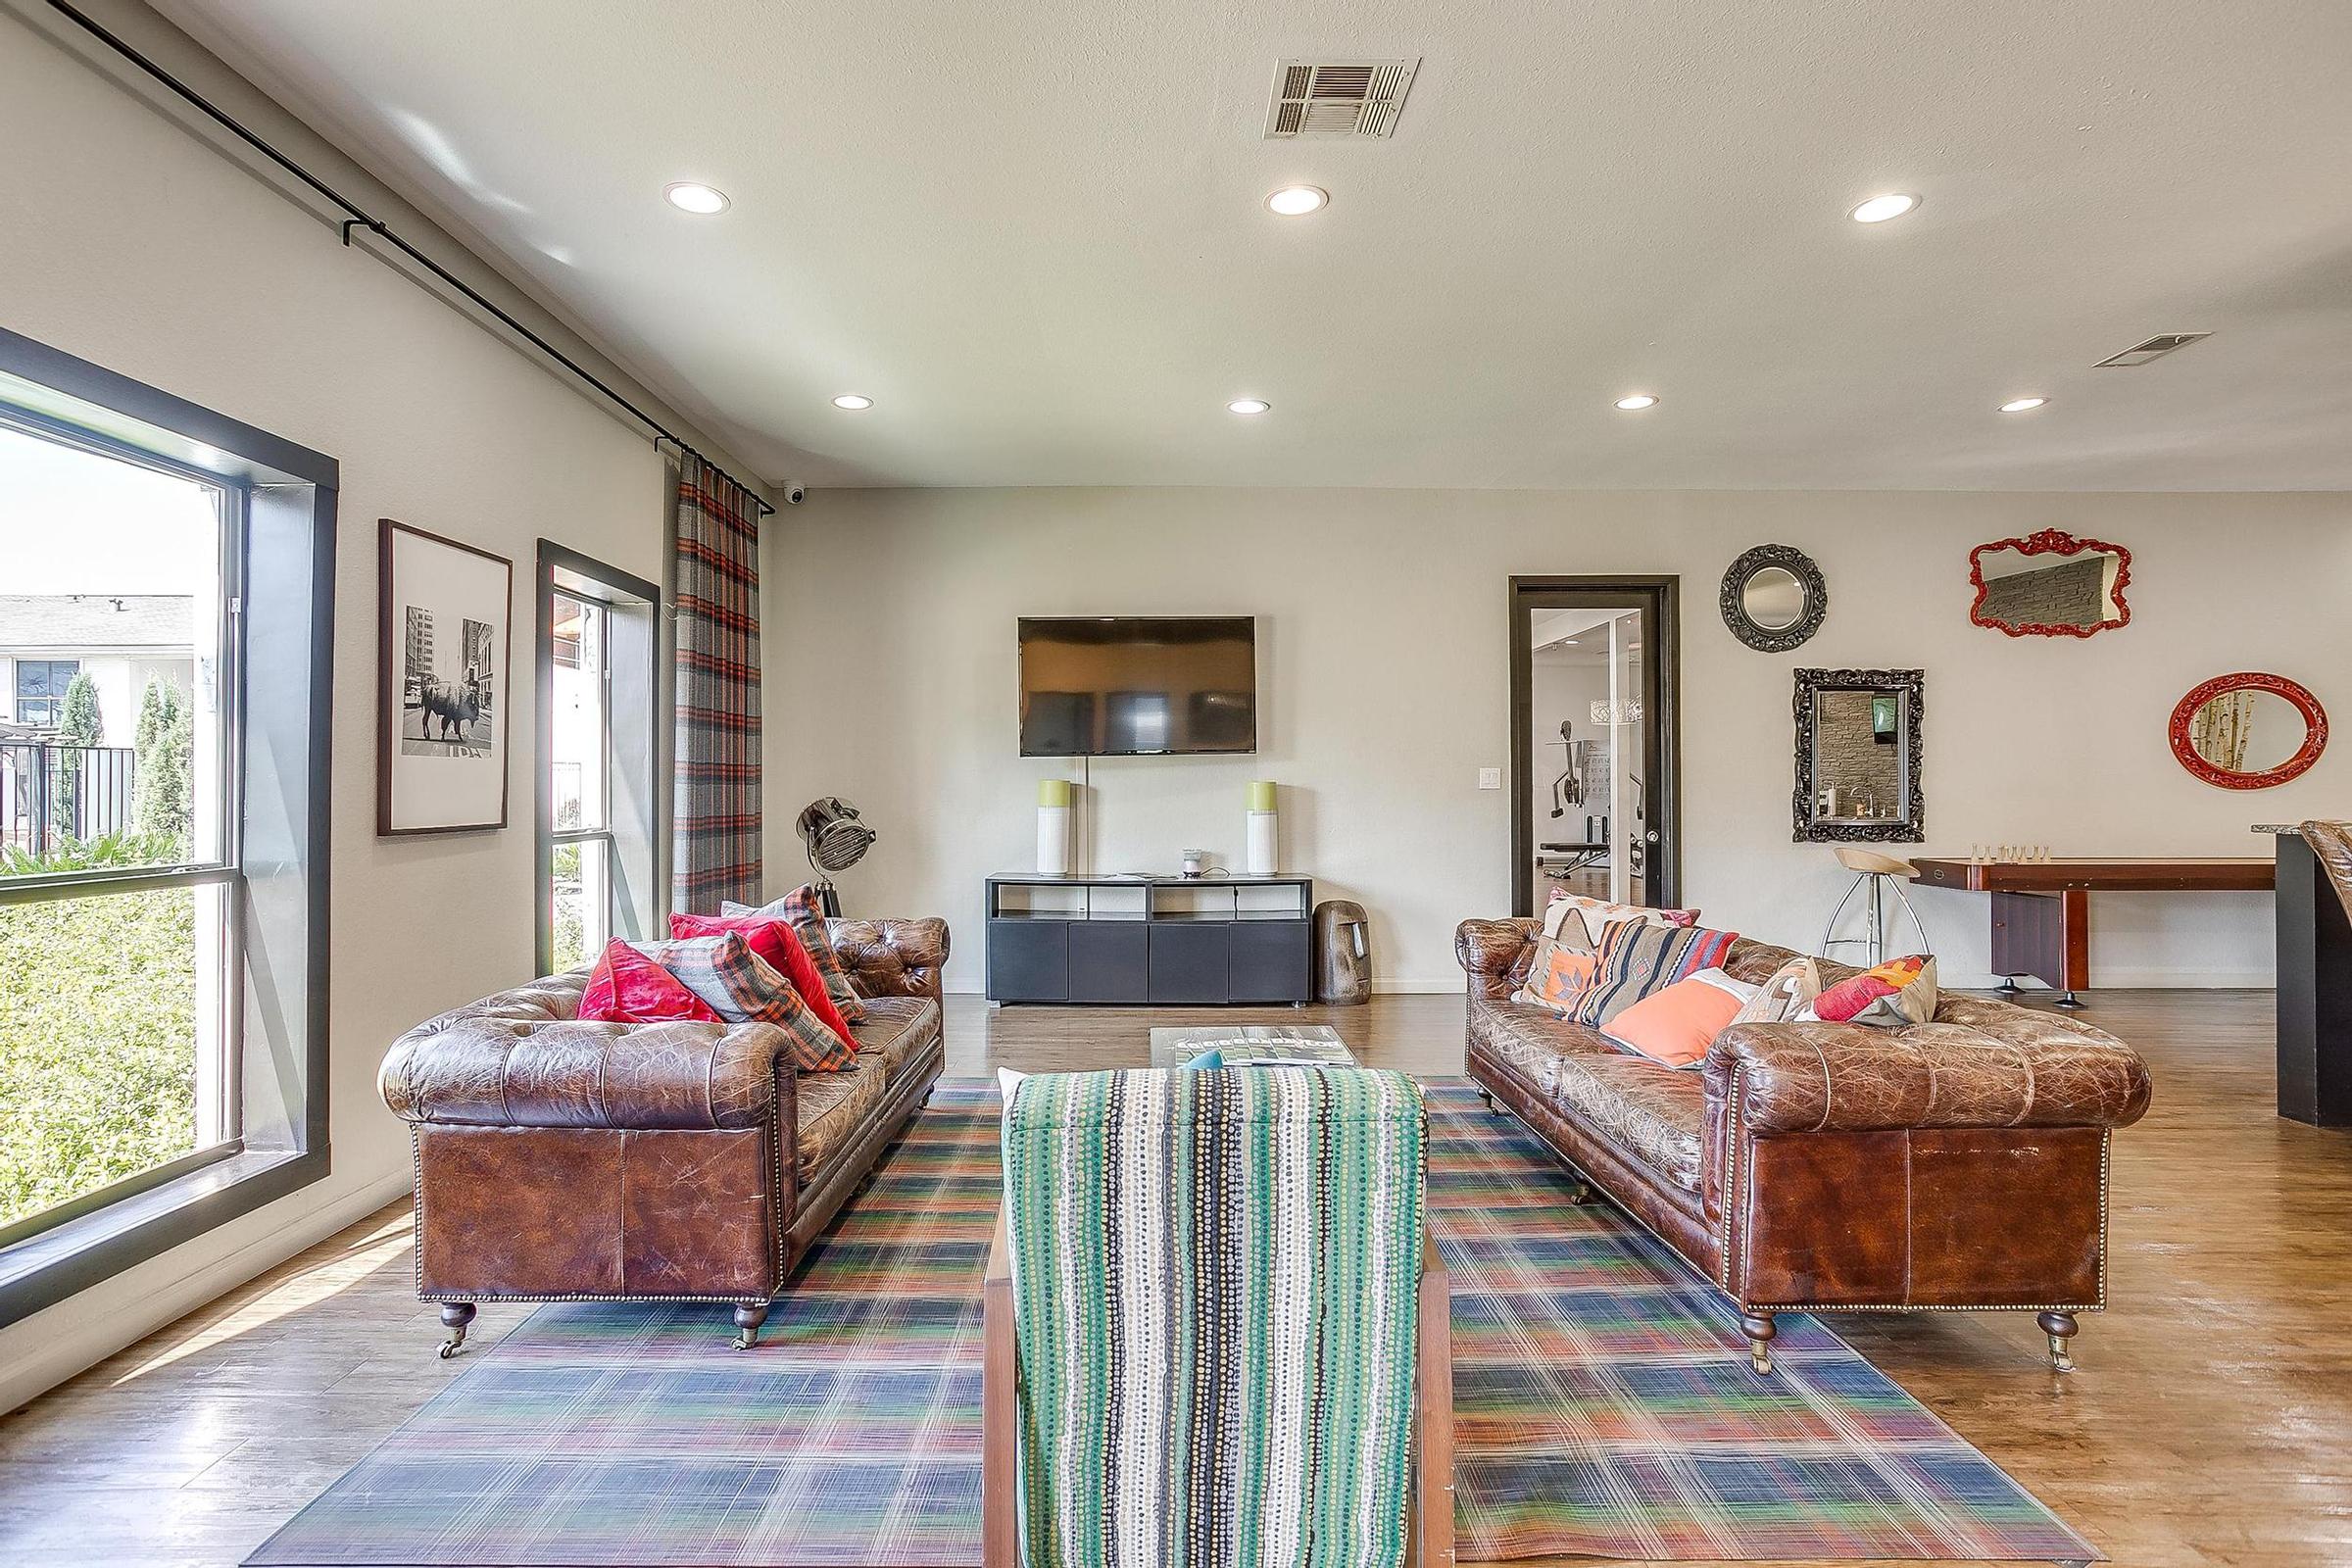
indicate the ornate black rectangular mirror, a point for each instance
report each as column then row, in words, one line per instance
column 1858, row 756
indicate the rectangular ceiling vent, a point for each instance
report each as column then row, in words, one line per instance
column 1337, row 97
column 2155, row 348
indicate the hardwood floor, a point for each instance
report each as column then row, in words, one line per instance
column 2211, row 1422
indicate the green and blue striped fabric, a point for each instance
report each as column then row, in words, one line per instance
column 1215, row 1275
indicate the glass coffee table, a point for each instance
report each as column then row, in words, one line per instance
column 1254, row 1044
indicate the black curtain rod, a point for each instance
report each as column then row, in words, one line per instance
column 358, row 217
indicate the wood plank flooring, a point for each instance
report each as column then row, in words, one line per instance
column 2211, row 1422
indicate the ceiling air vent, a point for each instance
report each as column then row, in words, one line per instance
column 1337, row 97
column 2155, row 348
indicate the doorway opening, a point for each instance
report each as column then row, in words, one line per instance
column 1595, row 786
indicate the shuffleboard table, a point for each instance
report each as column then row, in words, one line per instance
column 2042, row 909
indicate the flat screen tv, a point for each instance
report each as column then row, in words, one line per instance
column 1138, row 685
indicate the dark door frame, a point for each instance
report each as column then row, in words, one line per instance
column 1662, row 753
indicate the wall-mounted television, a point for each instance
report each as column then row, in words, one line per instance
column 1138, row 685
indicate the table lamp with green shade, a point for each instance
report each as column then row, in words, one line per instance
column 1262, row 856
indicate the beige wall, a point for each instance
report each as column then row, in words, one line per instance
column 130, row 244
column 890, row 629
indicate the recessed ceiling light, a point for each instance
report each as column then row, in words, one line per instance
column 1637, row 402
column 1297, row 201
column 1878, row 209
column 853, row 400
column 689, row 197
column 2022, row 405
column 1247, row 406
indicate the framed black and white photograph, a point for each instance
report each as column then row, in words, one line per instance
column 441, row 724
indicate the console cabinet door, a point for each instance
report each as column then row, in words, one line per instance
column 1189, row 962
column 1110, row 960
column 1028, row 961
column 1269, row 962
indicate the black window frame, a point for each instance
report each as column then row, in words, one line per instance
column 280, row 677
column 51, row 697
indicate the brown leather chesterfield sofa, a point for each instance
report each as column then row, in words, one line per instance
column 558, row 1160
column 1954, row 1165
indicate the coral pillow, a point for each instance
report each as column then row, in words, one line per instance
column 1674, row 1027
column 628, row 987
column 771, row 937
column 1898, row 992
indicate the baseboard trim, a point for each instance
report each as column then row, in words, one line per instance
column 75, row 1343
column 2120, row 979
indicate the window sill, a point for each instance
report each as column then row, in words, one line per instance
column 44, row 1269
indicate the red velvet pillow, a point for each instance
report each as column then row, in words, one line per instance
column 627, row 986
column 773, row 940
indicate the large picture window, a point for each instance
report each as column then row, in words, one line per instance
column 601, row 812
column 117, row 1050
column 579, row 764
column 166, row 692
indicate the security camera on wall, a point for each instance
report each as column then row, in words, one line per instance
column 795, row 493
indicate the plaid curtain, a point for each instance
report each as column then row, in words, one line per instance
column 714, row 590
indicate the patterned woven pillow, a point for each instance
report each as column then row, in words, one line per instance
column 1793, row 986
column 1597, row 915
column 742, row 987
column 1638, row 958
column 806, row 915
column 1898, row 992
column 1562, row 970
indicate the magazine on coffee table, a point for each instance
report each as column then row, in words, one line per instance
column 1254, row 1046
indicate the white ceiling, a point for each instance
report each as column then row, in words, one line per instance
column 1033, row 231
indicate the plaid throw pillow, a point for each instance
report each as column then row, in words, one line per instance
column 801, row 909
column 742, row 987
column 1637, row 959
column 773, row 940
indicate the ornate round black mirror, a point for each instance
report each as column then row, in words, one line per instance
column 1774, row 599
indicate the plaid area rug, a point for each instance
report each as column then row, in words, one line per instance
column 1604, row 1405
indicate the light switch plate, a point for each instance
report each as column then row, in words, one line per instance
column 1490, row 779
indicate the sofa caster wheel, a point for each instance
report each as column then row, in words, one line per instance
column 1760, row 1330
column 2060, row 1327
column 747, row 1319
column 1580, row 1193
column 1488, row 1095
column 456, row 1317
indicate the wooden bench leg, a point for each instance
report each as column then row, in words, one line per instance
column 1433, row 1399
column 1000, row 1412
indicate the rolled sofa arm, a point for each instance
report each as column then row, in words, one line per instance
column 473, row 1068
column 892, row 958
column 1495, row 955
column 1849, row 1077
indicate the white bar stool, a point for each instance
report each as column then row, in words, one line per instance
column 1879, row 873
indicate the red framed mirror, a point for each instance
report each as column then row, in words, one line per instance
column 2249, row 731
column 2050, row 584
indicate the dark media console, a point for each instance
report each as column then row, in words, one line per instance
column 1154, row 939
